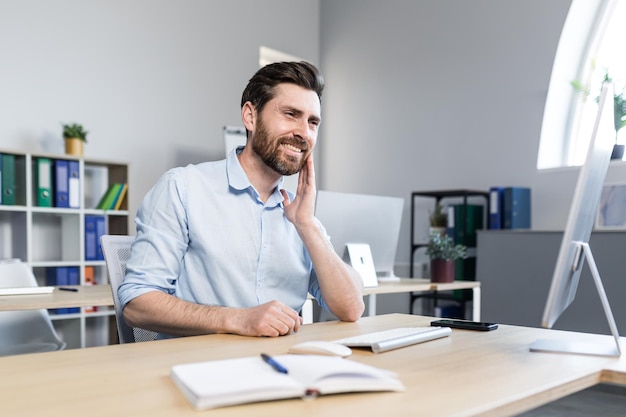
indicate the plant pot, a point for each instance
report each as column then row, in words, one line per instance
column 618, row 152
column 435, row 229
column 74, row 146
column 441, row 270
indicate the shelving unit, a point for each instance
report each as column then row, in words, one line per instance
column 460, row 194
column 52, row 237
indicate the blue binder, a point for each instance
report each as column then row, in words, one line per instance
column 73, row 184
column 63, row 275
column 61, row 183
column 90, row 238
column 516, row 208
column 100, row 231
column 94, row 229
column 496, row 202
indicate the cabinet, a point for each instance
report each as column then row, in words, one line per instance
column 465, row 235
column 49, row 238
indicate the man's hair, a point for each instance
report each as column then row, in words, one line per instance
column 261, row 87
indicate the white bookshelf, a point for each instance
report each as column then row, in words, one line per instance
column 47, row 237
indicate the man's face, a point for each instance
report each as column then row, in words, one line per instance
column 286, row 129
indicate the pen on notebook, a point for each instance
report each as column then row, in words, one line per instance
column 68, row 289
column 271, row 362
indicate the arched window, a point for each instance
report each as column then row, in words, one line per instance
column 589, row 49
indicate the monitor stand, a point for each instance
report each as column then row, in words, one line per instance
column 581, row 348
column 387, row 276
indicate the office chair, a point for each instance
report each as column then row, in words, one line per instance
column 24, row 331
column 116, row 251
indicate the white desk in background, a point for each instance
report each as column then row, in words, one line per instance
column 100, row 295
column 85, row 296
column 408, row 285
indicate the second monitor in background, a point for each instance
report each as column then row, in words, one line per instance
column 363, row 219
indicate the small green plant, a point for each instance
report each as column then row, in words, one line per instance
column 443, row 247
column 74, row 130
column 438, row 218
column 619, row 102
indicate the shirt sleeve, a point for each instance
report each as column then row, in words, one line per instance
column 314, row 286
column 162, row 238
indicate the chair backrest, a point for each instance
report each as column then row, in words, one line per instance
column 24, row 331
column 116, row 251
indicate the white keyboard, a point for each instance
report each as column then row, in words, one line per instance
column 26, row 290
column 395, row 338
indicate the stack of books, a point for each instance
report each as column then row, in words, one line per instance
column 114, row 196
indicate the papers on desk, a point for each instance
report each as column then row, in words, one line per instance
column 244, row 380
column 26, row 290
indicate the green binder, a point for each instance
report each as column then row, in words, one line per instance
column 44, row 182
column 7, row 182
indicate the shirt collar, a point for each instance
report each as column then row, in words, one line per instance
column 238, row 180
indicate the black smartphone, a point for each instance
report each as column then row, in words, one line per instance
column 464, row 324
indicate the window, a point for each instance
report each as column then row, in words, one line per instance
column 589, row 48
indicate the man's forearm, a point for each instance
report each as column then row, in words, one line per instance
column 341, row 285
column 165, row 313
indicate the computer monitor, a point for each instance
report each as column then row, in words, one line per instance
column 575, row 243
column 360, row 218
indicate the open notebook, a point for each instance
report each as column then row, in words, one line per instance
column 244, row 380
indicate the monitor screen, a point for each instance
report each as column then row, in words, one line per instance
column 360, row 218
column 583, row 211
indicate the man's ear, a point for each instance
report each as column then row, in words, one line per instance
column 249, row 116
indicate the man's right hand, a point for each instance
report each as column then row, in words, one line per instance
column 271, row 319
column 164, row 313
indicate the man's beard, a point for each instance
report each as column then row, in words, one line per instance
column 270, row 153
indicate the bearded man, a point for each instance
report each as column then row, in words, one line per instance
column 222, row 248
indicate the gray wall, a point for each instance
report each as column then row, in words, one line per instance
column 515, row 281
column 153, row 81
column 436, row 95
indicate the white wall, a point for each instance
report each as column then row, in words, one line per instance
column 153, row 81
column 446, row 94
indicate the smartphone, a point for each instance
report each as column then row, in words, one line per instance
column 464, row 324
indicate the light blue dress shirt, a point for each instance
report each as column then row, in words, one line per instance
column 204, row 235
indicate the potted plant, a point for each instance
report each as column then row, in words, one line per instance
column 619, row 117
column 619, row 110
column 438, row 220
column 443, row 252
column 75, row 136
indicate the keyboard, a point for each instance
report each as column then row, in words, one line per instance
column 395, row 338
column 26, row 290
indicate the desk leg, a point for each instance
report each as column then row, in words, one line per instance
column 307, row 312
column 371, row 309
column 476, row 304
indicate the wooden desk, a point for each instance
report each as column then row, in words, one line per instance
column 466, row 374
column 87, row 295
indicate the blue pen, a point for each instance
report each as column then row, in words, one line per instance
column 271, row 362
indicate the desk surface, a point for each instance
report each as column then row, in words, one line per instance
column 418, row 284
column 100, row 295
column 490, row 373
column 87, row 295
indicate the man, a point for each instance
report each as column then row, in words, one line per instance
column 221, row 248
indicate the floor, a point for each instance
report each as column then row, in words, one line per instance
column 603, row 400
